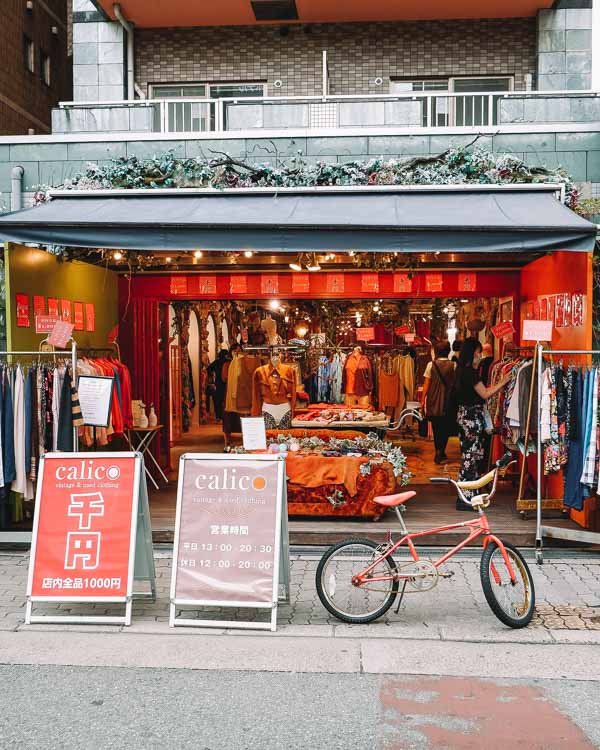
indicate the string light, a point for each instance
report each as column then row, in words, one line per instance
column 274, row 304
column 117, row 255
column 248, row 253
column 168, row 259
column 198, row 253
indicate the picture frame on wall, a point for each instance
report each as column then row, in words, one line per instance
column 577, row 309
column 559, row 311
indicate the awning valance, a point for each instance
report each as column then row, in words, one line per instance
column 474, row 219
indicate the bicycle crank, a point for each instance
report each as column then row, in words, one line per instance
column 420, row 576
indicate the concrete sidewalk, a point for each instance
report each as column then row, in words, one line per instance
column 567, row 591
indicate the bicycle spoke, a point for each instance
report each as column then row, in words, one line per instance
column 346, row 597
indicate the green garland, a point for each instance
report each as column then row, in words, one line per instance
column 456, row 166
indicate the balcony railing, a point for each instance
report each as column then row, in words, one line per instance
column 408, row 110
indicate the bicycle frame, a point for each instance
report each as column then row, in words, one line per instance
column 477, row 527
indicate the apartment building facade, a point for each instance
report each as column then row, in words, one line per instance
column 35, row 73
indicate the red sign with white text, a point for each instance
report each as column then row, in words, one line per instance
column 502, row 330
column 84, row 514
column 369, row 282
column 238, row 285
column 365, row 334
column 300, row 283
column 61, row 334
column 434, row 282
column 45, row 323
column 402, row 282
column 23, row 310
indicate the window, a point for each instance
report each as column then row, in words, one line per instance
column 206, row 90
column 28, row 54
column 470, row 110
column 191, row 116
column 45, row 67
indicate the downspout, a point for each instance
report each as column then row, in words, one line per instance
column 130, row 51
column 16, row 188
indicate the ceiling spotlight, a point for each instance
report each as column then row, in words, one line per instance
column 117, row 255
column 352, row 253
column 295, row 266
column 168, row 259
column 273, row 304
column 313, row 265
column 198, row 253
column 248, row 253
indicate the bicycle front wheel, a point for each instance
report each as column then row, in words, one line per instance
column 512, row 603
column 350, row 602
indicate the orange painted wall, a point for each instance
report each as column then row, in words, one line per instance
column 553, row 274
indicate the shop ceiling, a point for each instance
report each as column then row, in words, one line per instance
column 404, row 219
column 145, row 14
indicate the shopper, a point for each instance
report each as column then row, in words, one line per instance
column 437, row 386
column 456, row 344
column 217, row 382
column 486, row 362
column 471, row 395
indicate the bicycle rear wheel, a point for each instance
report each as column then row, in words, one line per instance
column 346, row 601
column 512, row 603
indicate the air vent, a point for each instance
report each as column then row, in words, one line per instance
column 274, row 10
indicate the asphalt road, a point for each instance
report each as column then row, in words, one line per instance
column 47, row 707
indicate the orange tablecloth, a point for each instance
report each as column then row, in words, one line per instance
column 315, row 471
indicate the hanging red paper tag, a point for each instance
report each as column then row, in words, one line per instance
column 434, row 282
column 238, row 285
column 369, row 282
column 206, row 286
column 179, row 285
column 90, row 317
column 402, row 283
column 269, row 283
column 65, row 308
column 78, row 315
column 23, row 310
column 335, row 283
column 39, row 305
column 53, row 307
column 467, row 282
column 301, row 283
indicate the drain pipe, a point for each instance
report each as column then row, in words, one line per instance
column 16, row 188
column 129, row 31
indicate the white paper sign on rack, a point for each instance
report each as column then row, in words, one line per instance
column 537, row 330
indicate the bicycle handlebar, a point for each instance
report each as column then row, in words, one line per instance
column 502, row 463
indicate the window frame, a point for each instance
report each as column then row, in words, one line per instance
column 28, row 54
column 208, row 85
column 45, row 68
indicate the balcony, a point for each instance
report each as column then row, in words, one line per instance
column 416, row 110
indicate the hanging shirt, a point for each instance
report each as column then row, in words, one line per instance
column 21, row 484
column 589, row 465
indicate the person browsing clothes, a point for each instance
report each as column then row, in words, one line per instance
column 471, row 395
column 438, row 381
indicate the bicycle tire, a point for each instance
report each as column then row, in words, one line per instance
column 489, row 586
column 328, row 604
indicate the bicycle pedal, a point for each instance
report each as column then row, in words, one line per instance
column 446, row 575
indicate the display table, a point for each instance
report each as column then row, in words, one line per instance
column 364, row 427
column 333, row 485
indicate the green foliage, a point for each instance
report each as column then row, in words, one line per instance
column 456, row 166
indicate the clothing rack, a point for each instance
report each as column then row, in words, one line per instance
column 554, row 532
column 12, row 536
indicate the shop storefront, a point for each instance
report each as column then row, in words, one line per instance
column 343, row 290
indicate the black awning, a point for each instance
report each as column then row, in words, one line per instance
column 460, row 220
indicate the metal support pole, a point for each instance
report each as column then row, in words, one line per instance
column 539, row 555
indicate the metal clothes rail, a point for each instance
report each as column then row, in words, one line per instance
column 25, row 537
column 554, row 532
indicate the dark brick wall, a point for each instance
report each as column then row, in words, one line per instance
column 25, row 101
column 357, row 53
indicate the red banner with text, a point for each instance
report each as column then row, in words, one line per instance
column 83, row 527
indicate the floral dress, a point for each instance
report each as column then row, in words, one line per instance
column 471, row 431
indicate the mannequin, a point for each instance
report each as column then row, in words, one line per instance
column 269, row 326
column 274, row 393
column 358, row 379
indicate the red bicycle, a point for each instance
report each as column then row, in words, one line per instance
column 358, row 580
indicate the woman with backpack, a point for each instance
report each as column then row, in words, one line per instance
column 471, row 395
column 437, row 387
